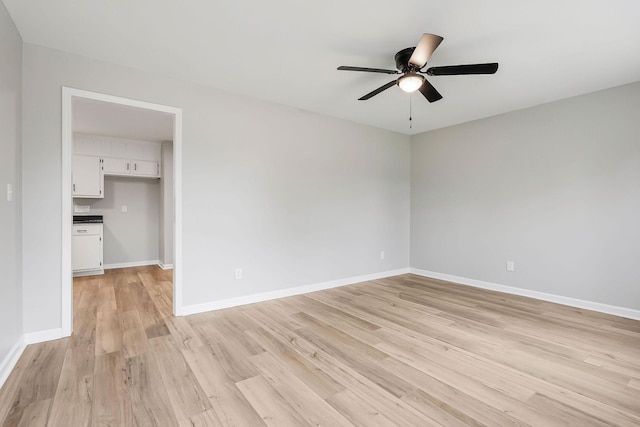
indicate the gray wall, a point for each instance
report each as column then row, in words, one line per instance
column 167, row 204
column 10, row 167
column 555, row 188
column 291, row 197
column 131, row 236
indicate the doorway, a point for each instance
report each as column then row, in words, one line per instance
column 69, row 95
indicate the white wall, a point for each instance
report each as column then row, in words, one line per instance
column 10, row 167
column 555, row 188
column 293, row 198
column 132, row 236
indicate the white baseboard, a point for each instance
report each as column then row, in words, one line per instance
column 88, row 273
column 572, row 302
column 9, row 362
column 165, row 266
column 41, row 336
column 281, row 293
column 132, row 264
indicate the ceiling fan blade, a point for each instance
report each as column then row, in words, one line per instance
column 429, row 91
column 368, row 70
column 455, row 70
column 426, row 46
column 377, row 91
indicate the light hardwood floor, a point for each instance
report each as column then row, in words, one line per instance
column 405, row 351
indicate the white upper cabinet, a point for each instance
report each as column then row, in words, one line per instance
column 121, row 157
column 145, row 168
column 87, row 177
column 115, row 166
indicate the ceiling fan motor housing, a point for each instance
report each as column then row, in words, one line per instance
column 402, row 59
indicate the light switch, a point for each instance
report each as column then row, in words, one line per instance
column 124, row 208
column 9, row 192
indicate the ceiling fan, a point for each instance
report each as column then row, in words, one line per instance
column 410, row 63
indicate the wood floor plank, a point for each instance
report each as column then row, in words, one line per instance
column 150, row 401
column 35, row 414
column 229, row 404
column 365, row 389
column 272, row 407
column 84, row 316
column 14, row 383
column 108, row 331
column 358, row 411
column 204, row 419
column 303, row 399
column 40, row 379
column 185, row 393
column 74, row 395
column 134, row 337
column 106, row 296
column 317, row 380
column 111, row 403
column 231, row 349
column 399, row 351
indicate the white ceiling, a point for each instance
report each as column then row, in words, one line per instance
column 108, row 119
column 287, row 51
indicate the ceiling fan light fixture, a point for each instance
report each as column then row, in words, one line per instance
column 410, row 82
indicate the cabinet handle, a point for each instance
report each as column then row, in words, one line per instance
column 82, row 231
column 127, row 165
column 74, row 188
column 135, row 166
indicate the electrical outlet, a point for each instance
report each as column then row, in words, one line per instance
column 238, row 273
column 511, row 266
column 381, row 254
column 124, row 208
column 9, row 192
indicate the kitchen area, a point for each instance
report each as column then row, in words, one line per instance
column 122, row 187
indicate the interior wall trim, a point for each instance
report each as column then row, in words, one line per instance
column 281, row 293
column 165, row 266
column 132, row 264
column 9, row 362
column 559, row 299
column 41, row 336
column 68, row 93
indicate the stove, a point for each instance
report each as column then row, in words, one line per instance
column 87, row 219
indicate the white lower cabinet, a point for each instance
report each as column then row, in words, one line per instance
column 86, row 249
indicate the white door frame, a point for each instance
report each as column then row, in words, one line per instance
column 67, row 202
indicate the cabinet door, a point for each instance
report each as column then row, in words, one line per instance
column 113, row 166
column 87, row 177
column 146, row 168
column 86, row 252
